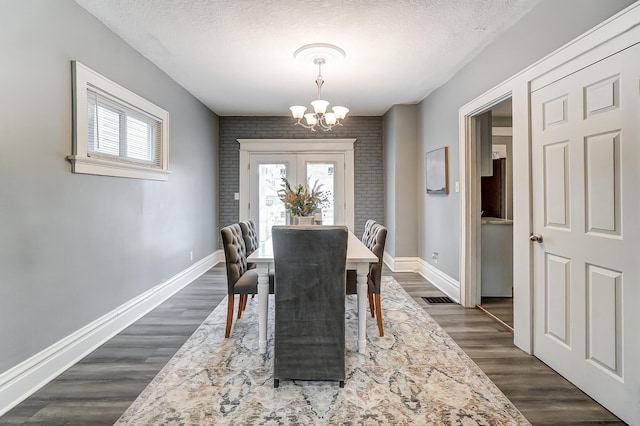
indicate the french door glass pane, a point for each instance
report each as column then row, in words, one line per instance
column 324, row 173
column 271, row 208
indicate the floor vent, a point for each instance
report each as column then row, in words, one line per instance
column 434, row 300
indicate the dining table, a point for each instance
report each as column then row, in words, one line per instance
column 358, row 258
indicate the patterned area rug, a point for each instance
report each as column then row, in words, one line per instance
column 415, row 374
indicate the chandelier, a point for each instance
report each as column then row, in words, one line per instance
column 318, row 53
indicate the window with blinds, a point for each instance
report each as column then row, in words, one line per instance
column 116, row 132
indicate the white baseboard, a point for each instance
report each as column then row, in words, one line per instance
column 17, row 383
column 401, row 264
column 444, row 282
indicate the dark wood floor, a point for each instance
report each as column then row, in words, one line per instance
column 500, row 307
column 98, row 389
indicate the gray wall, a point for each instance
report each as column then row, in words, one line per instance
column 389, row 159
column 548, row 26
column 401, row 159
column 74, row 247
column 369, row 174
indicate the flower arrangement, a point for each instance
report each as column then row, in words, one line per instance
column 299, row 201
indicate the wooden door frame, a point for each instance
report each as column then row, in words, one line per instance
column 611, row 36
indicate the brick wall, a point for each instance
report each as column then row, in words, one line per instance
column 369, row 175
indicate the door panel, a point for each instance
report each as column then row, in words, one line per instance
column 603, row 183
column 585, row 162
column 557, row 184
column 558, row 291
column 603, row 317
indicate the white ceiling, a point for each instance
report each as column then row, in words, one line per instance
column 236, row 56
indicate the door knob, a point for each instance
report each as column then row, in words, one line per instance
column 537, row 238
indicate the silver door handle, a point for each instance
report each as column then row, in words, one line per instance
column 536, row 238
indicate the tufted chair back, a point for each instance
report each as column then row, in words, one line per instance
column 367, row 229
column 235, row 254
column 250, row 235
column 375, row 242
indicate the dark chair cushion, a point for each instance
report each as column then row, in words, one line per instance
column 247, row 283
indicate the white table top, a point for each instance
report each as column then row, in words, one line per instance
column 356, row 252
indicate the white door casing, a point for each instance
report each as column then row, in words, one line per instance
column 586, row 270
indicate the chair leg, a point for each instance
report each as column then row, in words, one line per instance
column 229, row 315
column 241, row 304
column 379, row 315
column 244, row 303
column 371, row 307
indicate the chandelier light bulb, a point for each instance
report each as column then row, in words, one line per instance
column 340, row 112
column 311, row 119
column 298, row 111
column 320, row 106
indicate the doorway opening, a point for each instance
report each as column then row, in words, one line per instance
column 470, row 126
column 496, row 214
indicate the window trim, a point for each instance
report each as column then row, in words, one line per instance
column 81, row 162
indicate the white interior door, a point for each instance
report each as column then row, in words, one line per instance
column 586, row 180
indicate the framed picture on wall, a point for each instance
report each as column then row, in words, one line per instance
column 437, row 169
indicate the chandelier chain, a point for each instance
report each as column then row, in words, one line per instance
column 319, row 79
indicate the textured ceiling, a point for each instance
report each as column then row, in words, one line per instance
column 236, row 56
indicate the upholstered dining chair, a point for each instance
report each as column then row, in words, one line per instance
column 240, row 279
column 309, row 328
column 251, row 242
column 375, row 241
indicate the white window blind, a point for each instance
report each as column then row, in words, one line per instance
column 118, row 130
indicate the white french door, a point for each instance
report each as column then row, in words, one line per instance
column 266, row 174
column 263, row 165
